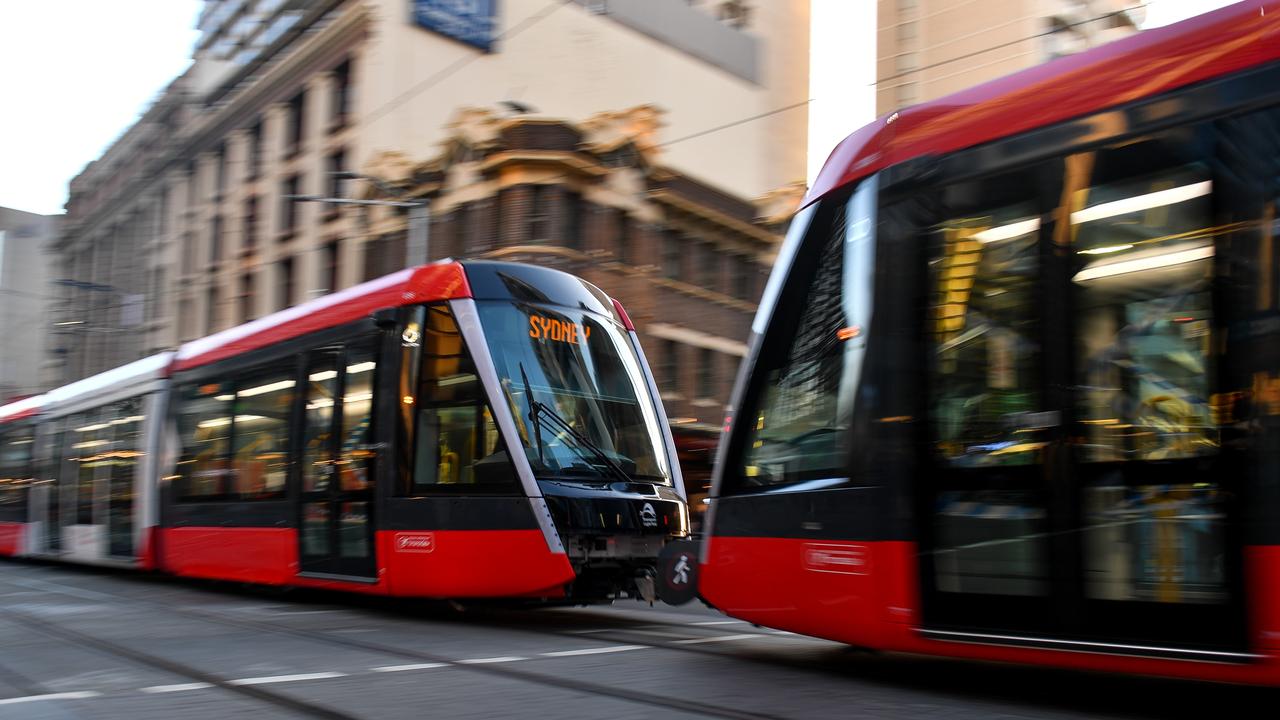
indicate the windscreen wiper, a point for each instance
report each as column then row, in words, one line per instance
column 533, row 413
column 537, row 409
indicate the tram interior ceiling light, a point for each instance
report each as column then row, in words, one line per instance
column 264, row 389
column 1151, row 262
column 1125, row 206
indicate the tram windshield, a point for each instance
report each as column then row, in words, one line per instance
column 577, row 391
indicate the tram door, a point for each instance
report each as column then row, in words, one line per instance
column 1079, row 487
column 336, row 531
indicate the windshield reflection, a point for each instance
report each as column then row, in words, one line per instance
column 582, row 369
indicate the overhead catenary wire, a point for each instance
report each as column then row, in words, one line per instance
column 1003, row 45
column 532, row 21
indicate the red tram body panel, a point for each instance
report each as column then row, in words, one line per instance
column 413, row 436
column 1011, row 391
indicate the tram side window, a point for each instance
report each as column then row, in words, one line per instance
column 260, row 431
column 456, row 439
column 984, row 345
column 127, row 446
column 1143, row 245
column 90, row 444
column 356, row 449
column 15, row 471
column 322, row 392
column 69, row 464
column 800, row 425
column 204, row 424
column 1143, row 235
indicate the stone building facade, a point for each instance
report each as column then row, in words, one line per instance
column 652, row 146
column 26, row 263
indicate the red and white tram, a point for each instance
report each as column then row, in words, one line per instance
column 1013, row 391
column 457, row 430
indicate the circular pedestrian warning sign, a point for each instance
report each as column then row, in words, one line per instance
column 678, row 572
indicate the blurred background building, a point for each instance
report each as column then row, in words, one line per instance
column 26, row 262
column 653, row 146
column 929, row 48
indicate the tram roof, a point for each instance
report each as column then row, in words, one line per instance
column 21, row 409
column 1142, row 65
column 443, row 280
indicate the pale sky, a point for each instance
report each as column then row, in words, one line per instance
column 78, row 73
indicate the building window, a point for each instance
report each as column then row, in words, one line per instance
column 706, row 373
column 215, row 240
column 671, row 254
column 539, row 218
column 188, row 253
column 464, row 228
column 157, row 290
column 709, row 259
column 193, row 184
column 384, row 255
column 573, row 220
column 250, row 223
column 297, row 124
column 220, row 178
column 341, row 96
column 906, row 32
column 670, row 367
column 744, row 279
column 289, row 206
column 163, row 212
column 211, row 309
column 329, row 268
column 286, row 284
column 627, row 252
column 255, row 150
column 907, row 61
column 246, row 297
column 335, row 164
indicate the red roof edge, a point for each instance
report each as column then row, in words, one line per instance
column 1151, row 62
column 425, row 283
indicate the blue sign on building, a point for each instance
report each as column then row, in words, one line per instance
column 469, row 21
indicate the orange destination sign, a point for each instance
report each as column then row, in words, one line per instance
column 545, row 328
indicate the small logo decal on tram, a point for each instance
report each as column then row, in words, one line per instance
column 834, row 558
column 648, row 516
column 415, row 542
column 410, row 337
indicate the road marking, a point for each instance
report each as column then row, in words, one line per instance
column 51, row 696
column 593, row 651
column 181, row 687
column 414, row 666
column 486, row 661
column 286, row 678
column 656, row 633
column 718, row 638
column 719, row 622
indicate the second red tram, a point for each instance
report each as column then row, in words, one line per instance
column 458, row 430
column 1013, row 391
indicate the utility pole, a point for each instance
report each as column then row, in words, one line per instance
column 416, row 249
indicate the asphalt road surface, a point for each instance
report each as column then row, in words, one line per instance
column 83, row 643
